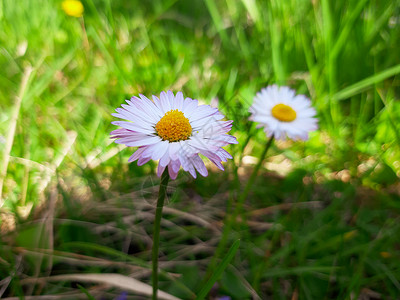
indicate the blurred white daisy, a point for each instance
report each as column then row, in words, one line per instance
column 174, row 131
column 283, row 113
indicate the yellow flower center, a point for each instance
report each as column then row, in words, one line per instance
column 174, row 126
column 283, row 113
column 72, row 8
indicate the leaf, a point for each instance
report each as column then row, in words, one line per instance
column 217, row 274
column 384, row 174
column 231, row 282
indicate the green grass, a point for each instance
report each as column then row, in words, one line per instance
column 331, row 229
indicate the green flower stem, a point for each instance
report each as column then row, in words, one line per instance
column 250, row 182
column 157, row 224
column 230, row 220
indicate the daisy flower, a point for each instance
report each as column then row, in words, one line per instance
column 173, row 130
column 283, row 113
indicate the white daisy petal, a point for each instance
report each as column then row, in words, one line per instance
column 144, row 142
column 175, row 165
column 214, row 158
column 160, row 149
column 199, row 165
column 171, row 99
column 142, row 105
column 189, row 106
column 156, row 151
column 164, row 101
column 187, row 165
column 202, row 112
column 165, row 159
column 143, row 160
column 174, row 148
column 223, row 154
column 135, row 113
column 200, row 143
column 227, row 139
column 133, row 127
column 137, row 154
column 179, row 101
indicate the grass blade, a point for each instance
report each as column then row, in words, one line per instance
column 217, row 19
column 365, row 83
column 11, row 129
column 85, row 291
column 217, row 274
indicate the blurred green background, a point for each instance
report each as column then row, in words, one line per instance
column 323, row 216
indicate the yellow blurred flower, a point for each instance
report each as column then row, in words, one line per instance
column 72, row 8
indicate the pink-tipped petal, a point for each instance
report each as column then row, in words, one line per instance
column 160, row 170
column 172, row 173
